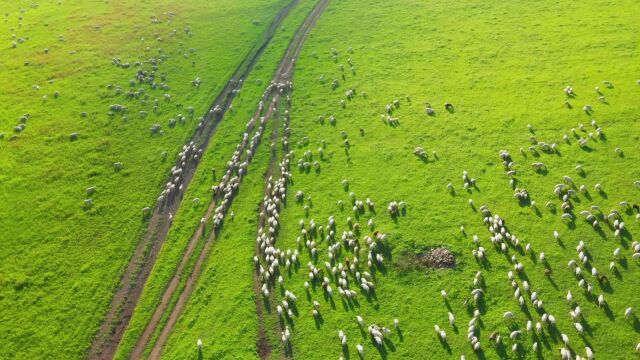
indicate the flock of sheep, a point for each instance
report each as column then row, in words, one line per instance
column 272, row 262
column 351, row 255
column 505, row 241
column 349, row 259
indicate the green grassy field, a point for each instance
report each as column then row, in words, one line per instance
column 502, row 66
column 221, row 311
column 60, row 261
column 188, row 217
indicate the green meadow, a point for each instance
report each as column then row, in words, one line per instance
column 61, row 260
column 392, row 103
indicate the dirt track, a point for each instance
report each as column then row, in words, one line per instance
column 282, row 74
column 285, row 72
column 126, row 297
column 175, row 282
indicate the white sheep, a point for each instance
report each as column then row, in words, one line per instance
column 589, row 353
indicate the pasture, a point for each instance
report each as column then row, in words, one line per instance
column 503, row 137
column 62, row 258
column 502, row 66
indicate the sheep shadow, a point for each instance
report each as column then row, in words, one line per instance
column 587, row 329
column 288, row 350
column 319, row 321
column 525, row 202
column 347, row 305
column 267, row 304
column 608, row 312
column 485, row 263
column 600, row 232
column 542, row 338
column 553, row 283
column 371, row 296
column 382, row 349
column 389, row 344
column 537, row 211
column 445, row 345
column 500, row 350
column 617, row 273
column 571, row 225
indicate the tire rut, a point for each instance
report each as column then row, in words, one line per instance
column 138, row 269
column 285, row 71
column 282, row 74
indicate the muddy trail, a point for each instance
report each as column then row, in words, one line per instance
column 125, row 299
column 170, row 291
column 285, row 72
column 263, row 346
column 282, row 74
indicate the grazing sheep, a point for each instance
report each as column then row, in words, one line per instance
column 508, row 315
column 568, row 90
column 420, row 152
column 429, row 110
column 589, row 353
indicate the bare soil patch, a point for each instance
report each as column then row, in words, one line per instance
column 437, row 258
